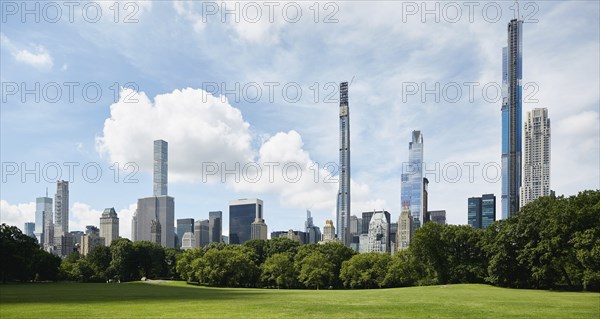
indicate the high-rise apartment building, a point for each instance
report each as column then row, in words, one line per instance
column 329, row 232
column 215, row 227
column 512, row 74
column 412, row 180
column 536, row 156
column 61, row 208
column 379, row 233
column 343, row 200
column 159, row 207
column 474, row 212
column 161, row 167
column 109, row 225
column 242, row 213
column 405, row 229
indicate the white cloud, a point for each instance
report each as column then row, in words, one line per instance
column 38, row 57
column 16, row 215
column 198, row 127
column 214, row 133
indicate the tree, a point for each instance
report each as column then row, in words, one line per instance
column 365, row 270
column 404, row 271
column 281, row 245
column 171, row 256
column 123, row 261
column 184, row 264
column 316, row 270
column 150, row 259
column 16, row 252
column 232, row 266
column 259, row 247
column 336, row 253
column 99, row 260
column 278, row 270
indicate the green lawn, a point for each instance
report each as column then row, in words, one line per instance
column 178, row 300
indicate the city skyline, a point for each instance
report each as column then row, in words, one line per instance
column 381, row 121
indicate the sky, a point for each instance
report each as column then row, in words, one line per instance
column 246, row 95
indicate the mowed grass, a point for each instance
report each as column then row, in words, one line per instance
column 178, row 300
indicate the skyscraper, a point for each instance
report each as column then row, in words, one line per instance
column 438, row 216
column 481, row 211
column 329, row 232
column 379, row 233
column 29, row 229
column 61, row 208
column 313, row 233
column 160, row 167
column 412, row 180
column 43, row 212
column 242, row 213
column 511, row 118
column 488, row 210
column 201, row 233
column 474, row 211
column 343, row 200
column 159, row 207
column 109, row 225
column 184, row 225
column 405, row 229
column 536, row 156
column 215, row 226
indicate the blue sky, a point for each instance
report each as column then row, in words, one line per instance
column 168, row 56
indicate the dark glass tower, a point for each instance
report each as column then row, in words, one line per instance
column 512, row 72
column 343, row 200
column 242, row 213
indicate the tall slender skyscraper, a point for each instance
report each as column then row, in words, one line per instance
column 159, row 207
column 43, row 213
column 343, row 200
column 511, row 118
column 61, row 208
column 160, row 167
column 536, row 157
column 412, row 187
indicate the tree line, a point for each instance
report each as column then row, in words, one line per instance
column 553, row 243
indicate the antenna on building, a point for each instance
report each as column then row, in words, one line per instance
column 46, row 191
column 517, row 13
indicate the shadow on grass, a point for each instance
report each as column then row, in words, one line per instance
column 124, row 292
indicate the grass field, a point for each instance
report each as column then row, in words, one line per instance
column 178, row 300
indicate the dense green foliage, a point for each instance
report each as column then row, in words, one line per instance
column 553, row 243
column 22, row 259
column 156, row 299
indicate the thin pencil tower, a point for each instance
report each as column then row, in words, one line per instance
column 343, row 200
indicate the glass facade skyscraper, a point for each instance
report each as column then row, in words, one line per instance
column 242, row 213
column 43, row 213
column 512, row 72
column 184, row 225
column 481, row 211
column 488, row 210
column 160, row 167
column 411, row 193
column 343, row 200
column 215, row 227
